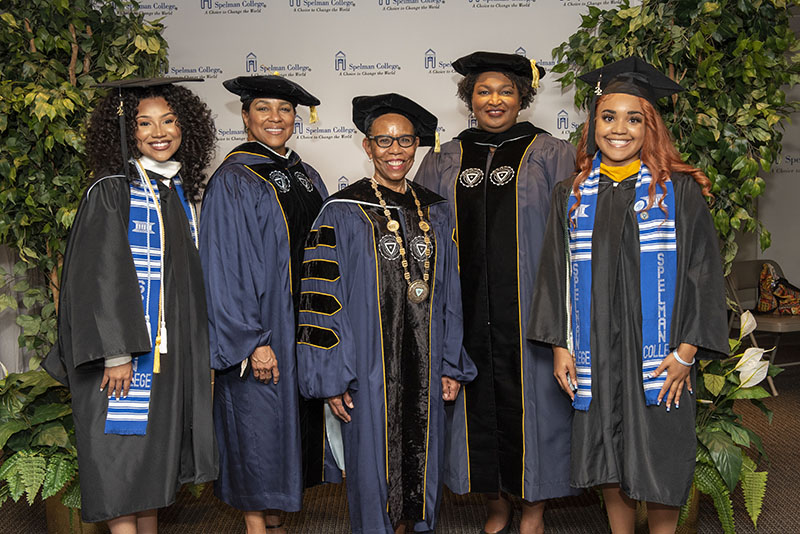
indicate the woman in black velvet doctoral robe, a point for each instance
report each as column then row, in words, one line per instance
column 511, row 429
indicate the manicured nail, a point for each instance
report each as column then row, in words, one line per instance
column 677, row 405
column 659, row 402
column 667, row 407
column 648, row 376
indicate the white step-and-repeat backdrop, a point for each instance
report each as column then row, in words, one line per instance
column 338, row 49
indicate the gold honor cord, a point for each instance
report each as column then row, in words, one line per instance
column 161, row 337
column 418, row 290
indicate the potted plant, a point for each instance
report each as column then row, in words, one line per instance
column 37, row 438
column 723, row 441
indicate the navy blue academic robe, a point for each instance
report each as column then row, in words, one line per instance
column 358, row 332
column 512, row 427
column 257, row 210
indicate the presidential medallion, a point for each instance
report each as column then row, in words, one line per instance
column 417, row 291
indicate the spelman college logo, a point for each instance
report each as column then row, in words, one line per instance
column 312, row 131
column 499, row 4
column 321, row 6
column 158, row 9
column 409, row 5
column 436, row 67
column 226, row 7
column 289, row 70
column 357, row 68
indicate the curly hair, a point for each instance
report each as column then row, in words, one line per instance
column 194, row 119
column 523, row 85
column 658, row 153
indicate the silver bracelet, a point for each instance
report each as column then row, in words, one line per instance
column 687, row 364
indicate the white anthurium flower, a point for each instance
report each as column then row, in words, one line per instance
column 748, row 324
column 750, row 378
column 750, row 359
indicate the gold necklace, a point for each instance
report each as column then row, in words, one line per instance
column 418, row 290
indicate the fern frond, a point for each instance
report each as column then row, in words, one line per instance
column 60, row 470
column 72, row 496
column 4, row 492
column 11, row 473
column 754, row 486
column 710, row 482
column 33, row 468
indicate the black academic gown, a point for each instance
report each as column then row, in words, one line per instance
column 511, row 427
column 648, row 451
column 101, row 315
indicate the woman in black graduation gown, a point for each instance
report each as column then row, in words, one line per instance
column 644, row 298
column 141, row 399
column 511, row 429
column 257, row 211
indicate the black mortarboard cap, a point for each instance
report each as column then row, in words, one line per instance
column 478, row 62
column 631, row 76
column 141, row 83
column 137, row 83
column 368, row 108
column 249, row 87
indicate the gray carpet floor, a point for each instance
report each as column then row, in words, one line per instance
column 325, row 507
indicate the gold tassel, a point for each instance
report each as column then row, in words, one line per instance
column 313, row 116
column 157, row 356
column 535, row 69
column 276, row 73
column 437, row 147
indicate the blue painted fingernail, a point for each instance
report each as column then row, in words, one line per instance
column 677, row 405
column 659, row 402
column 667, row 407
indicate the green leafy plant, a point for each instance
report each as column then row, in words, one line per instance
column 734, row 58
column 54, row 53
column 723, row 440
column 37, row 437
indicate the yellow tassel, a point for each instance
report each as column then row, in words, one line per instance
column 157, row 356
column 437, row 147
column 313, row 116
column 535, row 69
column 276, row 73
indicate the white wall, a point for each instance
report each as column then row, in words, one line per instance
column 338, row 49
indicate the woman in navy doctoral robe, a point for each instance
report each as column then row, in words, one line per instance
column 385, row 351
column 257, row 211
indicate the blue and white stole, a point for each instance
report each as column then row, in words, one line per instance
column 129, row 415
column 658, row 261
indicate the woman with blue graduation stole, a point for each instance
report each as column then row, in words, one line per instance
column 511, row 432
column 629, row 294
column 380, row 333
column 257, row 211
column 132, row 326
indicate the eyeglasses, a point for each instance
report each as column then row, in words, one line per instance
column 385, row 141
